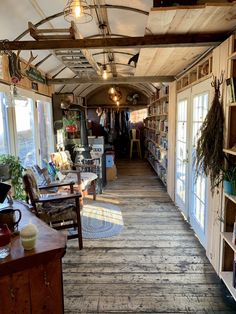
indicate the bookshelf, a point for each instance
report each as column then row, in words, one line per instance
column 228, row 248
column 156, row 131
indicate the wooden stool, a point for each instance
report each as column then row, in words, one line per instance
column 134, row 139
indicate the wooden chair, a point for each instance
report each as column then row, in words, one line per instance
column 135, row 139
column 60, row 211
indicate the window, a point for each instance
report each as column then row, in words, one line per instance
column 200, row 108
column 25, row 131
column 4, row 147
column 138, row 115
column 46, row 141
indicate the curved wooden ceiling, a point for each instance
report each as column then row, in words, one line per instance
column 119, row 19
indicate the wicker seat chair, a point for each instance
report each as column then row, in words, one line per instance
column 60, row 211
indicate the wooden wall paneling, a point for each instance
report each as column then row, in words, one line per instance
column 171, row 140
column 26, row 83
column 219, row 64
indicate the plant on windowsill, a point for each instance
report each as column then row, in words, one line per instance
column 12, row 169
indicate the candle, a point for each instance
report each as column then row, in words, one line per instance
column 28, row 236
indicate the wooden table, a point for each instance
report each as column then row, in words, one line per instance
column 31, row 281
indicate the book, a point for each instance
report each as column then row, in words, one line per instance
column 231, row 88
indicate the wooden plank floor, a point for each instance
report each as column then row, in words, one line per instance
column 156, row 265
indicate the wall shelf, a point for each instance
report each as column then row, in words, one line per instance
column 201, row 71
column 232, row 56
column 231, row 104
column 229, row 151
column 157, row 115
column 228, row 249
column 227, row 277
column 231, row 197
column 156, row 130
column 227, row 236
column 164, row 97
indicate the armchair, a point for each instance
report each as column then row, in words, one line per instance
column 60, row 211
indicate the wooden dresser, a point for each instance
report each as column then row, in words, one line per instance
column 31, row 281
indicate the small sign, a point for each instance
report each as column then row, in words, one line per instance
column 35, row 86
column 35, row 75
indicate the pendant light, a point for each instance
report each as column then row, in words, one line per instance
column 104, row 72
column 104, row 67
column 77, row 11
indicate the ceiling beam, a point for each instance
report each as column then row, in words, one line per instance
column 149, row 41
column 114, row 80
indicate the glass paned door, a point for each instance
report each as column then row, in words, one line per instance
column 4, row 141
column 198, row 183
column 25, row 131
column 46, row 141
column 181, row 155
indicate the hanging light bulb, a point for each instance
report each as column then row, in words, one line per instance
column 115, row 98
column 77, row 11
column 112, row 90
column 118, row 103
column 104, row 72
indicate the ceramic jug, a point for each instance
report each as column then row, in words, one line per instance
column 7, row 216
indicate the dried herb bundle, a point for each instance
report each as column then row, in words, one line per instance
column 209, row 151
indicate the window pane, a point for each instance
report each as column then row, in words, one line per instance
column 138, row 115
column 200, row 107
column 45, row 129
column 3, row 125
column 25, row 131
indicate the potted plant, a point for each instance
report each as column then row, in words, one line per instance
column 229, row 180
column 12, row 169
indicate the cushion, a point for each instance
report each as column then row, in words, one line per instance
column 62, row 160
column 52, row 212
column 86, row 178
column 33, row 183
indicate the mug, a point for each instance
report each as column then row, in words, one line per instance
column 7, row 216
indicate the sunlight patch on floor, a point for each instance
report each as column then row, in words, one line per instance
column 102, row 213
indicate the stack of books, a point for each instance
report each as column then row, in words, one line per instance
column 231, row 88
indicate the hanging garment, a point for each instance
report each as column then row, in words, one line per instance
column 111, row 119
column 102, row 118
column 117, row 121
column 120, row 123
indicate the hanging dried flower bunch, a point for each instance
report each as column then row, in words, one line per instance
column 209, row 151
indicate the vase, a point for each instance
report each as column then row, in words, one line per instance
column 228, row 187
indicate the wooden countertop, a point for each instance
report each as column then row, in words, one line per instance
column 50, row 242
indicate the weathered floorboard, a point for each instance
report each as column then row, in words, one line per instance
column 156, row 265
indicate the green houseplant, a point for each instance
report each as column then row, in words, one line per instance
column 229, row 180
column 11, row 164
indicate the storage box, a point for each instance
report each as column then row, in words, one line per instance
column 111, row 173
column 109, row 161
